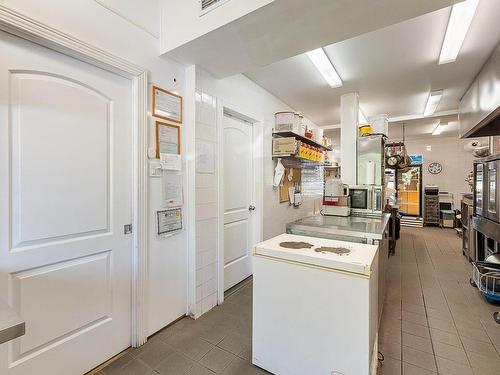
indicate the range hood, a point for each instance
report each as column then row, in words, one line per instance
column 479, row 110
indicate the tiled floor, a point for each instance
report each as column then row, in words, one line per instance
column 433, row 322
column 217, row 343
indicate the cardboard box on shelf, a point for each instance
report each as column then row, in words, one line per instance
column 284, row 146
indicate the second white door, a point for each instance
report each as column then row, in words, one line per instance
column 238, row 198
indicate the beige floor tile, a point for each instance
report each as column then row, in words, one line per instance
column 417, row 309
column 416, row 329
column 445, row 337
column 414, row 318
column 174, row 364
column 476, row 334
column 417, row 342
column 447, row 367
column 390, row 348
column 440, row 314
column 442, row 324
column 419, row 359
column 199, row 370
column 450, row 352
column 390, row 366
column 217, row 360
column 409, row 369
column 485, row 362
column 479, row 347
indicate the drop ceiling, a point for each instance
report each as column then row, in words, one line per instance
column 393, row 69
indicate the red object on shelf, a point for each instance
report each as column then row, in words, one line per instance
column 309, row 134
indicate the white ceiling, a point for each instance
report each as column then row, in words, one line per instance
column 393, row 68
column 423, row 128
column 285, row 28
column 413, row 129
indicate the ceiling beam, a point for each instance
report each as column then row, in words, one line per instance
column 403, row 118
column 421, row 116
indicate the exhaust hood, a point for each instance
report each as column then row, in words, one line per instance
column 479, row 110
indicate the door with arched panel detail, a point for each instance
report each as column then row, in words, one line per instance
column 65, row 195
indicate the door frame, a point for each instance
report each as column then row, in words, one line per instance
column 34, row 31
column 257, row 218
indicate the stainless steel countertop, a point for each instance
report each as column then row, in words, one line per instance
column 353, row 226
column 11, row 325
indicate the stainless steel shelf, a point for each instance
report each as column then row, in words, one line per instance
column 301, row 138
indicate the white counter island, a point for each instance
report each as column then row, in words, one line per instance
column 315, row 308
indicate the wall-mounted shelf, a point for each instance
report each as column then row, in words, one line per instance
column 301, row 138
column 291, row 159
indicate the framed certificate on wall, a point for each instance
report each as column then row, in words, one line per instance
column 167, row 105
column 168, row 139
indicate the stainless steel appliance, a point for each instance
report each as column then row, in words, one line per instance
column 371, row 160
column 486, row 219
column 367, row 199
column 336, row 200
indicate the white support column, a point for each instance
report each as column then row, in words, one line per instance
column 349, row 109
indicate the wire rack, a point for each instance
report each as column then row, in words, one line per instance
column 486, row 277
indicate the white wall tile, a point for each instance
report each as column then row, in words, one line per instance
column 206, row 211
column 206, row 195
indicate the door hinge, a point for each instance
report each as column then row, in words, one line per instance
column 127, row 228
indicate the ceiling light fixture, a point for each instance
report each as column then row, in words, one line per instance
column 433, row 102
column 321, row 61
column 460, row 19
column 439, row 128
column 362, row 118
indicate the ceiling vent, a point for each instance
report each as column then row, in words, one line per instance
column 209, row 5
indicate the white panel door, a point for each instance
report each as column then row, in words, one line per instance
column 238, row 190
column 65, row 194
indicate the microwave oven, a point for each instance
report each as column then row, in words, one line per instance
column 366, row 199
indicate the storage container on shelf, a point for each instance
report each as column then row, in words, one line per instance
column 285, row 121
column 318, row 135
column 289, row 121
column 379, row 124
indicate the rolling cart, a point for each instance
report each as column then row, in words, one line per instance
column 486, row 277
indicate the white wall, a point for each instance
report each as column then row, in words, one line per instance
column 245, row 97
column 123, row 36
column 183, row 22
column 240, row 93
column 456, row 162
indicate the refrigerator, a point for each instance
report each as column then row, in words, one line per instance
column 315, row 307
column 409, row 190
column 371, row 160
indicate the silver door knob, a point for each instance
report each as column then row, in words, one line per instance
column 251, row 208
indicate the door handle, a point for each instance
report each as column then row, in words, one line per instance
column 251, row 208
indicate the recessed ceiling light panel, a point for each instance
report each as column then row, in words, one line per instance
column 460, row 19
column 321, row 61
column 433, row 102
column 439, row 128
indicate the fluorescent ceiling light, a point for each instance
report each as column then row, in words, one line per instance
column 362, row 118
column 460, row 19
column 439, row 128
column 325, row 67
column 433, row 102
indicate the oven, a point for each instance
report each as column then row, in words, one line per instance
column 478, row 188
column 492, row 202
column 366, row 199
column 486, row 218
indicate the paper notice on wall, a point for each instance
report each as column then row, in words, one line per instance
column 171, row 162
column 172, row 189
column 168, row 221
column 205, row 157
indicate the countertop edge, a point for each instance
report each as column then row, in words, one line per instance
column 11, row 325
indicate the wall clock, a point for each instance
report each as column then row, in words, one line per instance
column 435, row 168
